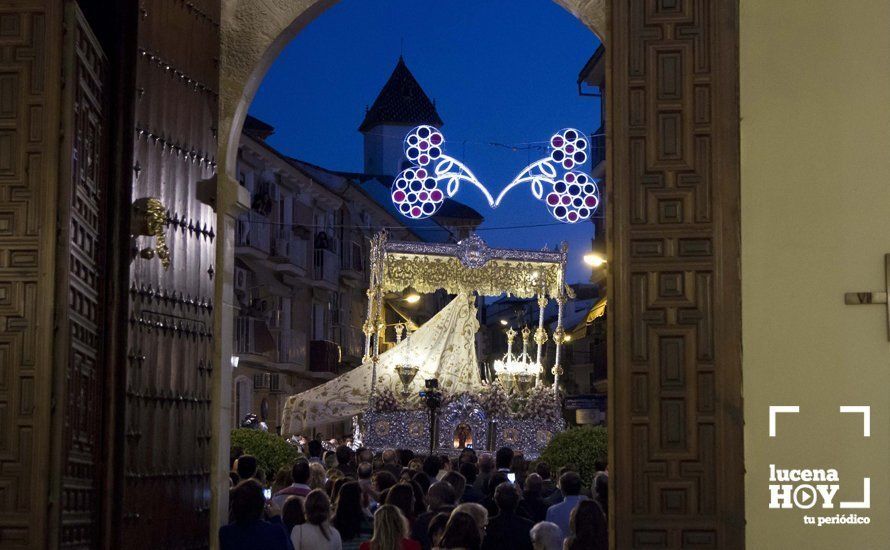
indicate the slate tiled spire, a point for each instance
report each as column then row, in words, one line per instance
column 401, row 102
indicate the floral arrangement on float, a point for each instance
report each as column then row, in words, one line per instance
column 539, row 402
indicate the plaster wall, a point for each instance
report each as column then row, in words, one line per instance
column 815, row 90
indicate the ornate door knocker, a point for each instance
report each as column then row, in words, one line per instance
column 150, row 219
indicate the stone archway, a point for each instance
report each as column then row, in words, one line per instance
column 675, row 329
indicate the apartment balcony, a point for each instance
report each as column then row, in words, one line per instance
column 352, row 270
column 292, row 348
column 352, row 343
column 253, row 236
column 326, row 268
column 324, row 357
column 253, row 340
column 290, row 255
column 598, row 148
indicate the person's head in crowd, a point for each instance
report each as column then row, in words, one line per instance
column 423, row 480
column 282, row 479
column 318, row 511
column 338, row 484
column 468, row 470
column 344, row 456
column 390, row 458
column 588, row 527
column 444, row 463
column 382, row 480
column 436, row 528
column 233, row 479
column 314, row 448
column 333, row 474
column 467, row 455
column 234, row 454
column 247, row 501
column 330, row 459
column 496, row 479
column 364, row 470
column 348, row 510
column 416, row 464
column 457, row 481
column 534, row 485
column 601, row 464
column 504, row 458
column 600, row 491
column 419, row 498
column 247, row 467
column 405, row 456
column 543, row 470
column 390, row 527
column 431, row 466
column 441, row 494
column 401, row 495
column 478, row 512
column 570, row 484
column 292, row 513
column 486, row 463
column 567, row 468
column 407, row 474
column 519, row 465
column 317, row 476
column 506, row 496
column 364, row 454
column 546, row 535
column 300, row 471
column 461, row 532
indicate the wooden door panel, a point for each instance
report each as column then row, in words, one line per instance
column 675, row 372
column 166, row 495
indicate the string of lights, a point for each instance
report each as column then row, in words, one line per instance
column 407, row 228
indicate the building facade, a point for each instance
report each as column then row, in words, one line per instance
column 301, row 255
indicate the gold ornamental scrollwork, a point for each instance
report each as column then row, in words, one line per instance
column 427, row 274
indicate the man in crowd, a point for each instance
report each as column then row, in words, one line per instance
column 441, row 498
column 299, row 488
column 560, row 514
column 471, row 493
column 486, row 466
column 507, row 529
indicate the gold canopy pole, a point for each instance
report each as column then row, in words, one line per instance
column 540, row 333
column 373, row 324
column 559, row 334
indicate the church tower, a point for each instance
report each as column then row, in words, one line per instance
column 401, row 105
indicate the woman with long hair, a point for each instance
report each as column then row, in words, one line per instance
column 350, row 518
column 248, row 530
column 317, row 476
column 390, row 531
column 461, row 533
column 317, row 533
column 292, row 513
column 588, row 528
column 401, row 495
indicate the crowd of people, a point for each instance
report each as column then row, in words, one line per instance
column 394, row 500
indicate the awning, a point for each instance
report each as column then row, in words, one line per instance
column 596, row 311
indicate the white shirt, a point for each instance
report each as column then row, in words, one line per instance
column 310, row 537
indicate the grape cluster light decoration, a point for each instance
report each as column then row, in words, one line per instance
column 420, row 191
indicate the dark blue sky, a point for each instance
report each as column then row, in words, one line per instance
column 500, row 71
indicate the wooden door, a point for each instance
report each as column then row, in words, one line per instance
column 166, row 458
column 675, row 362
column 78, row 459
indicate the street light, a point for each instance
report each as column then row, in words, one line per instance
column 504, row 322
column 594, row 260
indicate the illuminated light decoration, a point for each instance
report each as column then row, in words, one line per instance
column 417, row 191
column 571, row 196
